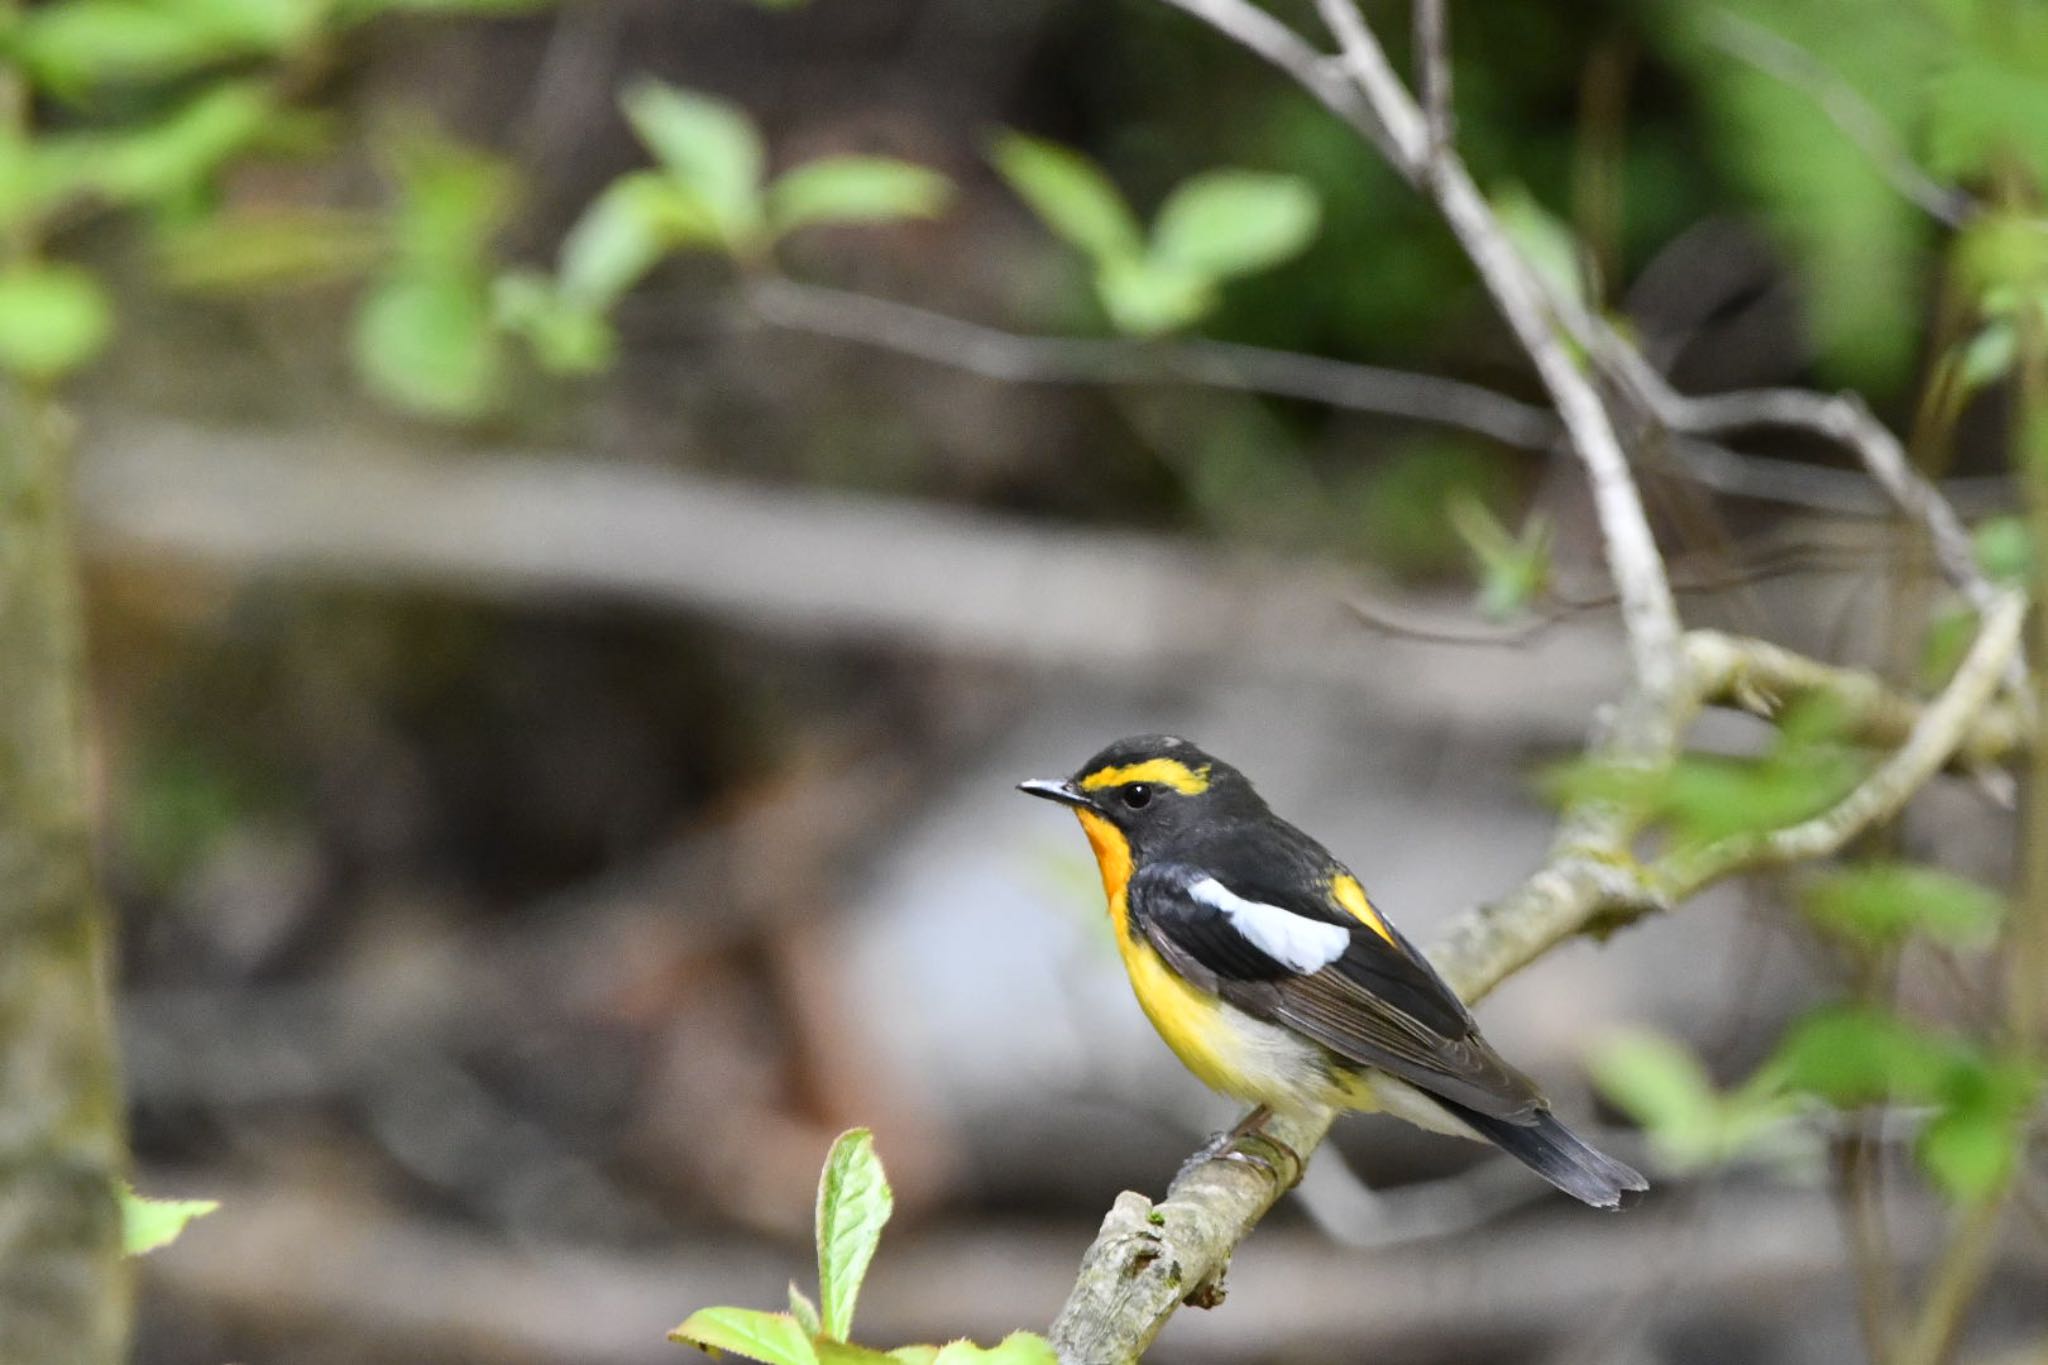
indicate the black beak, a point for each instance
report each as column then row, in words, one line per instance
column 1054, row 790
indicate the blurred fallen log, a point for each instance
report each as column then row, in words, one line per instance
column 814, row 565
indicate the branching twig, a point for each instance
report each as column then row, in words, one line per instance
column 1016, row 358
column 1648, row 610
column 1842, row 419
column 1762, row 678
column 1253, row 28
column 1933, row 740
column 1148, row 1260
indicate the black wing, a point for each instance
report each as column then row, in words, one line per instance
column 1298, row 958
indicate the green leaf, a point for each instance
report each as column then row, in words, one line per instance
column 1851, row 1055
column 1070, row 195
column 1147, row 299
column 183, row 149
column 1984, row 108
column 856, row 189
column 1019, row 1348
column 565, row 336
column 148, row 1224
column 1661, row 1084
column 1987, row 357
column 53, row 319
column 1971, row 1149
column 1705, row 798
column 854, row 1202
column 1949, row 636
column 832, row 1352
column 75, row 44
column 1224, row 223
column 37, row 175
column 1970, row 1154
column 452, row 198
column 1657, row 1080
column 2005, row 549
column 915, row 1355
column 1407, row 497
column 638, row 219
column 771, row 1338
column 1514, row 569
column 426, row 338
column 1543, row 241
column 803, row 1310
column 2003, row 256
column 710, row 147
column 426, row 343
column 269, row 249
column 1882, row 903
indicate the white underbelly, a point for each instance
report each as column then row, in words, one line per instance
column 1280, row 1068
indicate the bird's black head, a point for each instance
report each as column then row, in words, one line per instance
column 1152, row 787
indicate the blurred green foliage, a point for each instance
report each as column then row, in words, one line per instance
column 1514, row 567
column 1407, row 498
column 1880, row 904
column 1213, row 227
column 1975, row 1100
column 182, row 802
column 1658, row 1082
column 53, row 318
column 426, row 338
column 1850, row 1056
column 708, row 193
column 1704, row 798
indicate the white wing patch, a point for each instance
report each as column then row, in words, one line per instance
column 1302, row 944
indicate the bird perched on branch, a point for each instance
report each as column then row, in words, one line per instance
column 1265, row 967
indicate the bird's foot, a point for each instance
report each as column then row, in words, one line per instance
column 1248, row 1144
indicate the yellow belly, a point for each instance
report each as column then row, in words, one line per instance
column 1227, row 1049
column 1243, row 1057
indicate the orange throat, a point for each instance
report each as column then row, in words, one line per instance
column 1112, row 855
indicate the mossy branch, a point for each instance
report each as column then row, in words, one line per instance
column 63, row 1284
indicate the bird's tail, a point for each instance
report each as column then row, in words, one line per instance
column 1559, row 1155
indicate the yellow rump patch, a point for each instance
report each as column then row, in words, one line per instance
column 1351, row 896
column 1167, row 772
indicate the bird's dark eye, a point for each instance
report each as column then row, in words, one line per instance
column 1138, row 795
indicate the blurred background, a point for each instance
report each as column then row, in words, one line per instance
column 559, row 676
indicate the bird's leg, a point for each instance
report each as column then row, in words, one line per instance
column 1252, row 1127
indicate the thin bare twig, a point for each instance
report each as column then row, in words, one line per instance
column 1016, row 358
column 1253, row 28
column 1433, row 75
column 1844, row 420
column 1784, row 60
column 1953, row 1282
column 1648, row 610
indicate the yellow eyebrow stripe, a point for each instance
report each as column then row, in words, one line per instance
column 1351, row 896
column 1166, row 772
